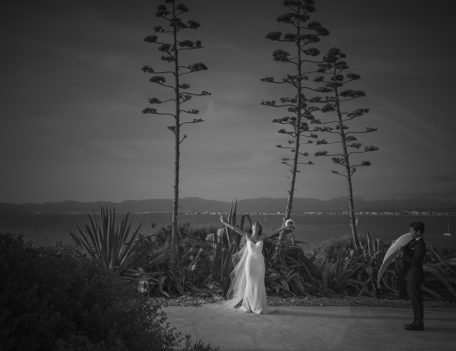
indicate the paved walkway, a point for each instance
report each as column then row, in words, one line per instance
column 316, row 328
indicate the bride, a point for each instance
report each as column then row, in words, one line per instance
column 247, row 277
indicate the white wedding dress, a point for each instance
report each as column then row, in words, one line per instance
column 247, row 280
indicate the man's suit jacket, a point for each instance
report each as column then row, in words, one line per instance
column 414, row 253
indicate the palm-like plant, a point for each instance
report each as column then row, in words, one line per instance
column 108, row 242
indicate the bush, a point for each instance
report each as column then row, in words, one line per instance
column 53, row 299
column 354, row 273
column 184, row 268
column 288, row 270
column 332, row 249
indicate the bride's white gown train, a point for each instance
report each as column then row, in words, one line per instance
column 247, row 280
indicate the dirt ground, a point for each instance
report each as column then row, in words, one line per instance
column 316, row 328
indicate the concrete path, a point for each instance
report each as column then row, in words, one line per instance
column 316, row 328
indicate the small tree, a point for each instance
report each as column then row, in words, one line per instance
column 304, row 34
column 335, row 80
column 171, row 50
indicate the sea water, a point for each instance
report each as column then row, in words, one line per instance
column 46, row 230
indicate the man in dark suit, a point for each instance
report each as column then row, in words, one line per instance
column 414, row 275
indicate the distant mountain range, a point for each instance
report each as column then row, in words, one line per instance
column 195, row 204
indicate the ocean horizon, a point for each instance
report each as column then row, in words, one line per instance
column 48, row 229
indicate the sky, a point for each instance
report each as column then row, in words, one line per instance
column 73, row 92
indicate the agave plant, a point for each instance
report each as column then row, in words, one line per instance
column 186, row 269
column 355, row 272
column 351, row 272
column 288, row 270
column 336, row 277
column 190, row 270
column 440, row 281
column 110, row 243
column 146, row 267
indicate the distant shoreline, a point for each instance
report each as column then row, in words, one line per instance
column 265, row 206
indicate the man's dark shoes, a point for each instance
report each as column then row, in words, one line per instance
column 414, row 326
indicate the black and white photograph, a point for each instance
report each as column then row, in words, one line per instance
column 201, row 175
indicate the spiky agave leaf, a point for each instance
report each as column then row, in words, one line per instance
column 446, row 281
column 103, row 241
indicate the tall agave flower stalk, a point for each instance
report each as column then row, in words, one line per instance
column 299, row 53
column 172, row 45
column 339, row 101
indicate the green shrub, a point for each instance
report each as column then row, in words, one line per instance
column 52, row 299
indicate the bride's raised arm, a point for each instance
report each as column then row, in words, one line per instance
column 274, row 232
column 235, row 229
column 282, row 230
